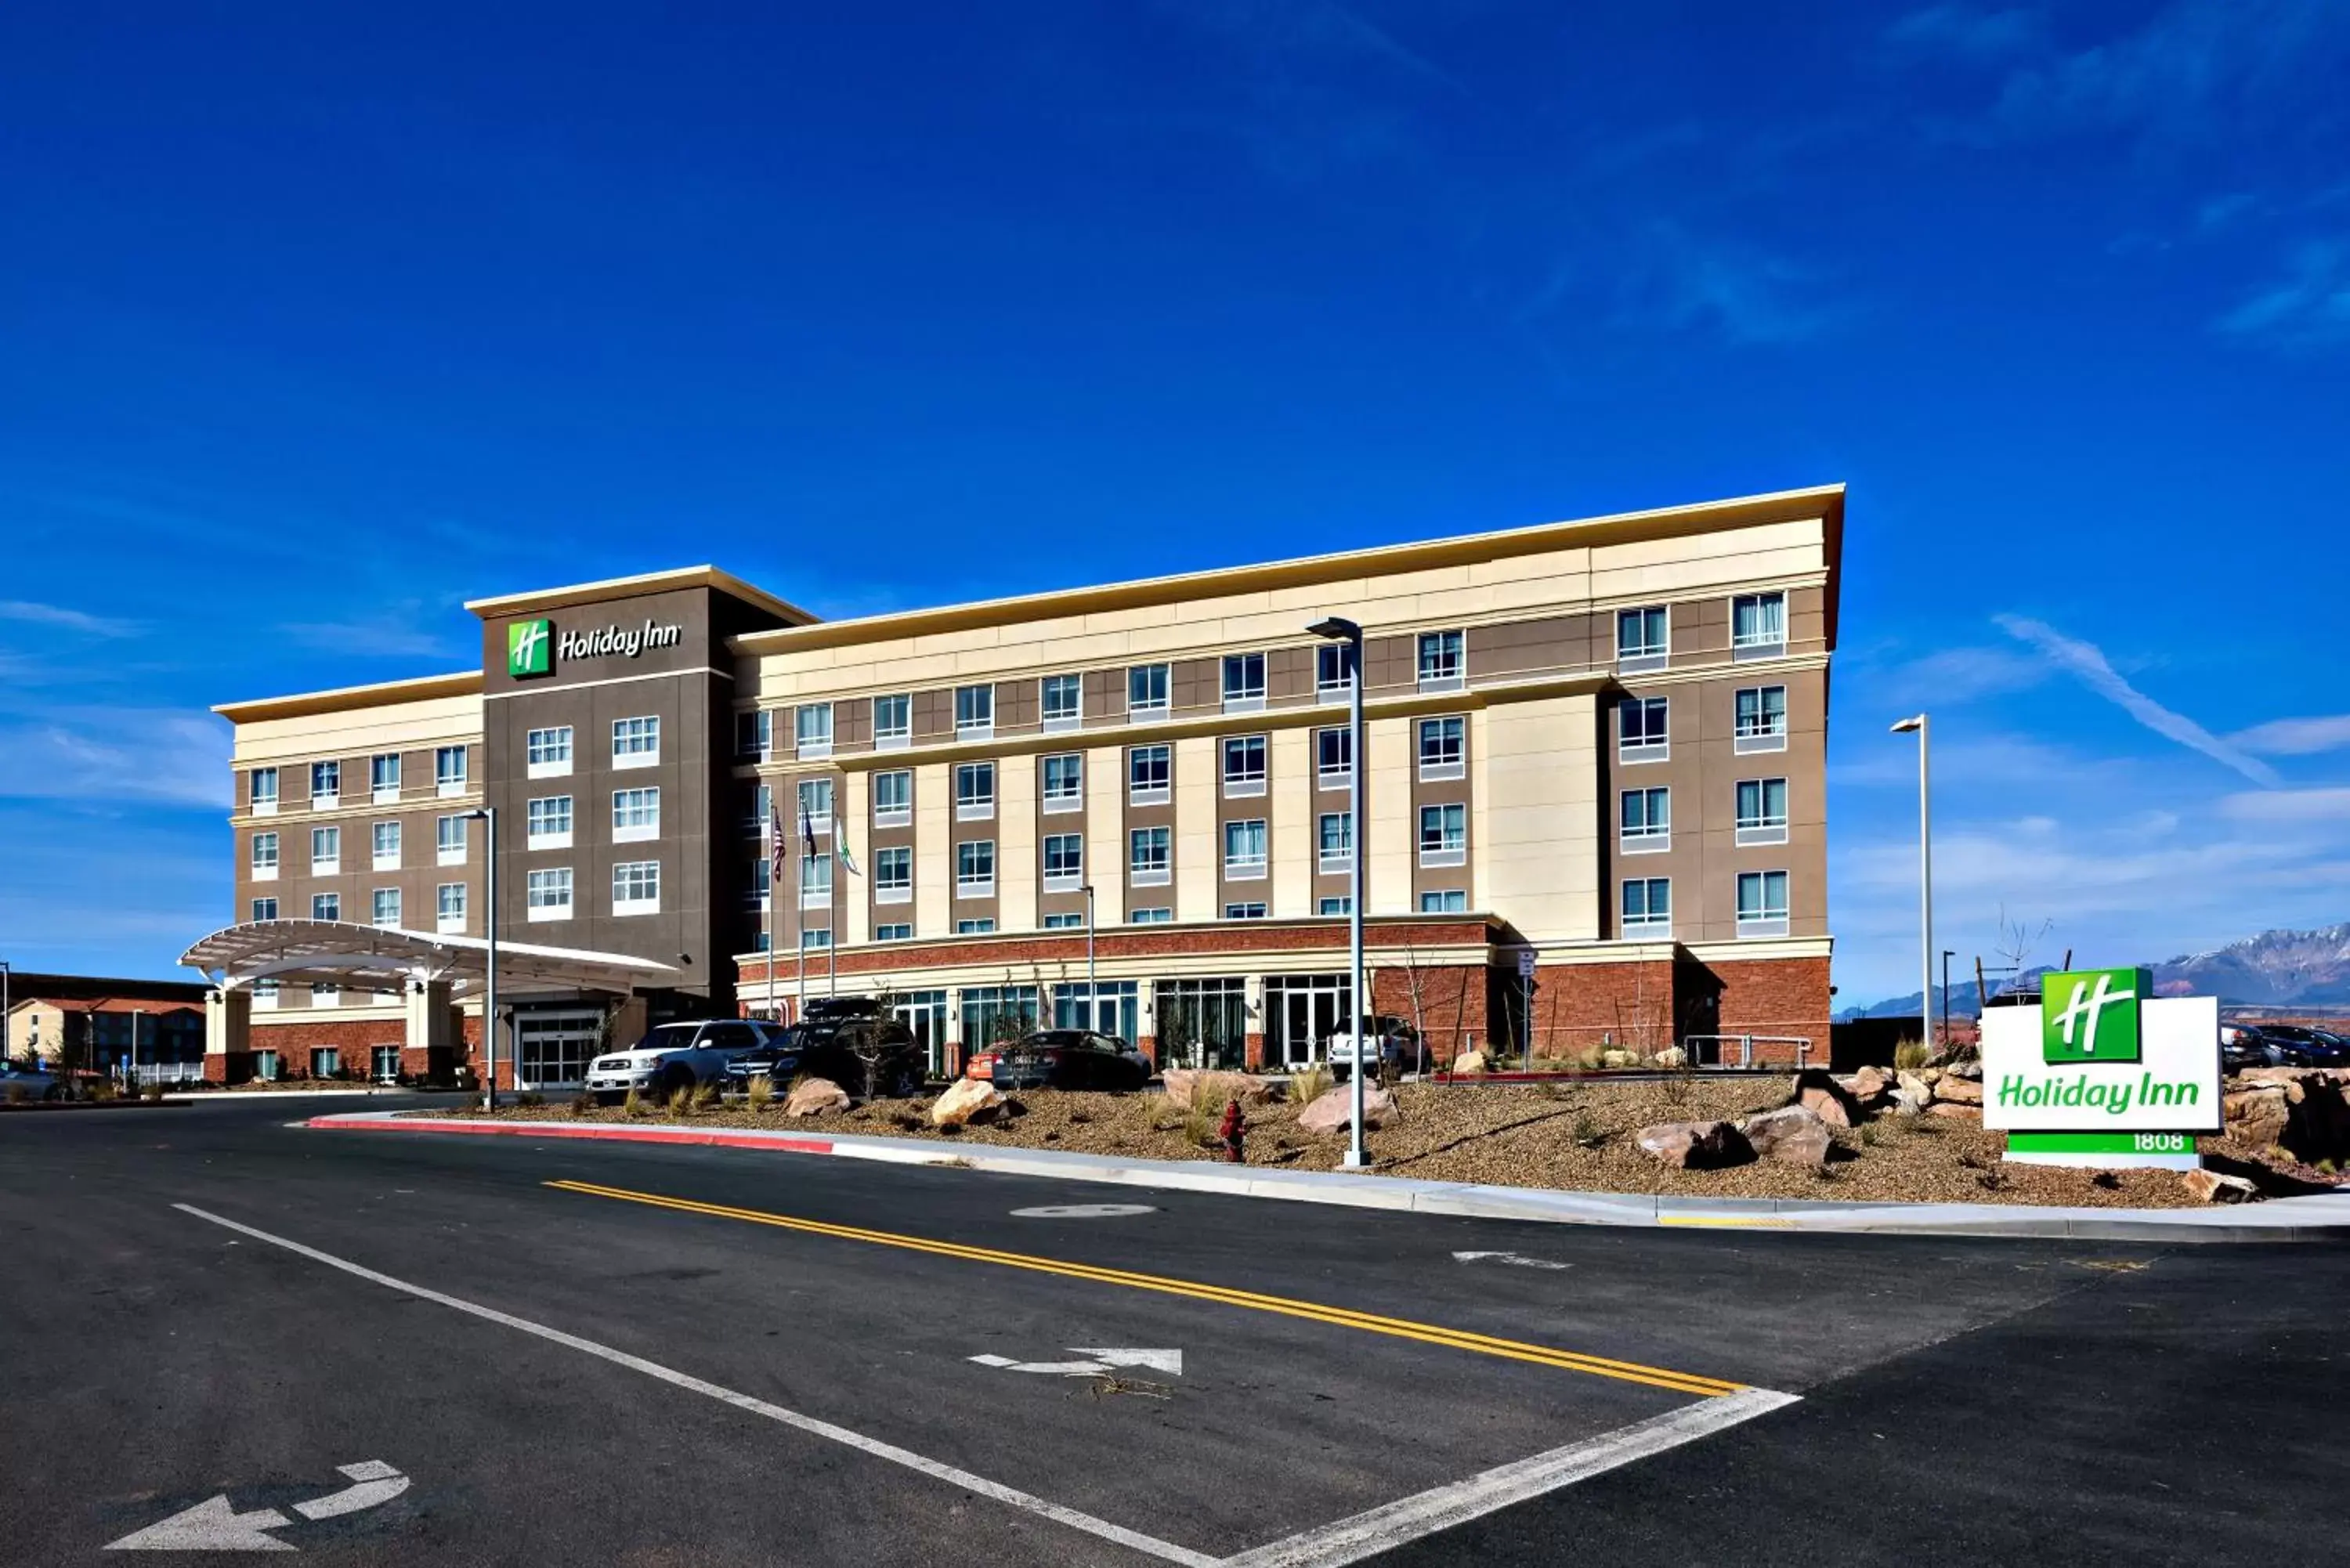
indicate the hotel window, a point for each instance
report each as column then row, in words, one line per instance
column 546, row 822
column 975, row 790
column 1762, row 812
column 387, row 907
column 1064, row 862
column 547, row 753
column 1647, row 906
column 549, row 893
column 1064, row 782
column 326, row 786
column 1243, row 765
column 1440, row 750
column 1244, row 855
column 1156, row 917
column 1334, row 758
column 325, row 905
column 901, row 931
column 1336, row 838
column 1444, row 835
column 893, row 798
column 1762, row 903
column 323, row 993
column 816, row 881
column 448, row 840
column 383, row 775
column 1243, row 682
column 1330, row 682
column 1146, row 692
column 1762, row 720
column 1757, row 626
column 260, row 793
column 1640, row 730
column 449, row 909
column 1063, row 696
column 265, row 994
column 449, row 770
column 1244, row 911
column 1147, row 860
column 812, row 730
column 818, row 939
column 974, row 713
column 762, row 809
column 265, row 857
column 384, row 1063
column 893, row 722
column 1641, row 639
column 1064, row 923
column 754, row 734
column 1341, row 905
column 1147, row 771
column 636, row 887
column 636, row 743
column 326, row 851
column 1443, row 901
column 978, row 927
column 265, row 909
column 763, row 873
column 636, row 814
column 1443, row 665
column 387, row 847
column 1647, row 821
column 893, row 875
column 816, row 805
column 975, row 868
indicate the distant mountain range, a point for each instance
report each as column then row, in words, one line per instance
column 2273, row 969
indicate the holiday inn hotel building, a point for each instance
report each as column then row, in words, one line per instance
column 1593, row 750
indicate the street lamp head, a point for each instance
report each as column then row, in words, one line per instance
column 479, row 813
column 1916, row 722
column 1337, row 628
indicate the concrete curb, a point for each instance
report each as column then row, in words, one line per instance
column 2321, row 1216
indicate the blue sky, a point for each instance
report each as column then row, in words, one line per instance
column 320, row 319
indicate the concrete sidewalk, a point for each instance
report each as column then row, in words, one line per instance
column 2321, row 1216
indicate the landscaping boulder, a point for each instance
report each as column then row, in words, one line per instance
column 1618, row 1059
column 1334, row 1110
column 2212, row 1187
column 1869, row 1086
column 1825, row 1099
column 1957, row 1090
column 1906, row 1102
column 1970, row 1068
column 1469, row 1063
column 1694, row 1146
column 1916, row 1086
column 816, row 1097
column 1793, row 1134
column 968, row 1102
column 1182, row 1082
column 1955, row 1111
column 2258, row 1118
column 1672, row 1058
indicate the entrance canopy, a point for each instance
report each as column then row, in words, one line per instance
column 384, row 958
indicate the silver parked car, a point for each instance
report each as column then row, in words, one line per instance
column 18, row 1082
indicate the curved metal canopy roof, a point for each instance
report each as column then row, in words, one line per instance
column 384, row 958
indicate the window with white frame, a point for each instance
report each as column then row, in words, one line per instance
column 636, row 743
column 265, row 857
column 1442, row 748
column 1064, row 862
column 975, row 790
column 546, row 753
column 761, row 883
column 974, row 713
column 636, row 814
column 1444, row 835
column 1443, row 901
column 325, row 784
column 1337, row 840
column 1244, row 911
column 326, row 851
column 386, row 847
column 816, row 881
column 325, row 905
column 1148, row 771
column 1757, row 626
column 547, row 893
column 1642, row 638
column 261, row 791
column 1064, row 923
column 1330, row 682
column 386, row 910
column 1762, row 720
column 265, row 909
column 1147, row 858
column 893, row 875
column 1245, row 849
column 755, row 735
column 1762, row 812
column 1640, row 730
column 1341, row 904
column 894, row 931
column 1243, row 682
column 546, row 822
column 449, row 770
column 975, row 868
column 448, row 840
column 1243, row 765
column 1061, row 700
column 980, row 927
column 1762, row 903
column 816, row 805
column 265, row 994
column 636, row 887
column 812, row 730
column 1334, row 758
column 383, row 775
column 893, row 722
column 449, row 909
column 1151, row 917
column 323, row 993
column 816, row 938
column 1647, row 820
column 1443, row 661
column 1146, row 692
column 893, row 798
column 1064, row 782
column 1646, row 907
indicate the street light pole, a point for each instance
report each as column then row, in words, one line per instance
column 489, row 814
column 1337, row 629
column 1920, row 724
column 1093, row 996
column 1947, row 956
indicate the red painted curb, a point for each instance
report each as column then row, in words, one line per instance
column 607, row 1134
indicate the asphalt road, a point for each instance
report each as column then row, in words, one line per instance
column 714, row 1356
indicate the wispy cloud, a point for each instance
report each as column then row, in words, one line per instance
column 2087, row 663
column 1952, row 675
column 2289, row 806
column 1966, row 32
column 2295, row 737
column 161, row 755
column 2306, row 307
column 410, row 629
column 1741, row 292
column 64, row 618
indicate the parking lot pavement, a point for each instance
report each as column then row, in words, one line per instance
column 601, row 1352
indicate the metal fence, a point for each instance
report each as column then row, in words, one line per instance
column 170, row 1071
column 1715, row 1050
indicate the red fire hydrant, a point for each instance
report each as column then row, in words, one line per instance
column 1233, row 1130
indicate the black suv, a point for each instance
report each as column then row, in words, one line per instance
column 850, row 1040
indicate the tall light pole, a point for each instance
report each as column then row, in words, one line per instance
column 131, row 1073
column 9, row 1011
column 1947, row 956
column 489, row 814
column 1093, row 997
column 1339, row 629
column 1925, row 878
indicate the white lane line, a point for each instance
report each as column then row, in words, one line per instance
column 1150, row 1545
column 1442, row 1508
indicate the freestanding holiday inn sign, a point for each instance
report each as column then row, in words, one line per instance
column 2103, row 1071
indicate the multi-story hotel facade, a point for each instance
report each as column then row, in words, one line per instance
column 1592, row 765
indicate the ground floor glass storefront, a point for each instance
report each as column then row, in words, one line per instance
column 1115, row 1007
column 1201, row 1023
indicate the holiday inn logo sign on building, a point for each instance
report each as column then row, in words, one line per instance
column 2103, row 1062
column 529, row 644
column 2090, row 1015
column 532, row 646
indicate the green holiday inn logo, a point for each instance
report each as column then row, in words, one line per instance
column 2092, row 1014
column 529, row 645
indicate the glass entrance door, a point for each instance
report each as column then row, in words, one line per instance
column 1302, row 1012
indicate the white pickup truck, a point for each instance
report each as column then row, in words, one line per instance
column 673, row 1057
column 1391, row 1040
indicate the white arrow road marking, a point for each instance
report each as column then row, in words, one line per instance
column 1170, row 1361
column 376, row 1483
column 212, row 1525
column 1520, row 1258
column 1167, row 1361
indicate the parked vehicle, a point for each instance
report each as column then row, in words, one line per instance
column 2244, row 1045
column 35, row 1083
column 673, row 1057
column 1062, row 1059
column 850, row 1040
column 1391, row 1041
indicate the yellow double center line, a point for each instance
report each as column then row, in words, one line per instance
column 1343, row 1317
